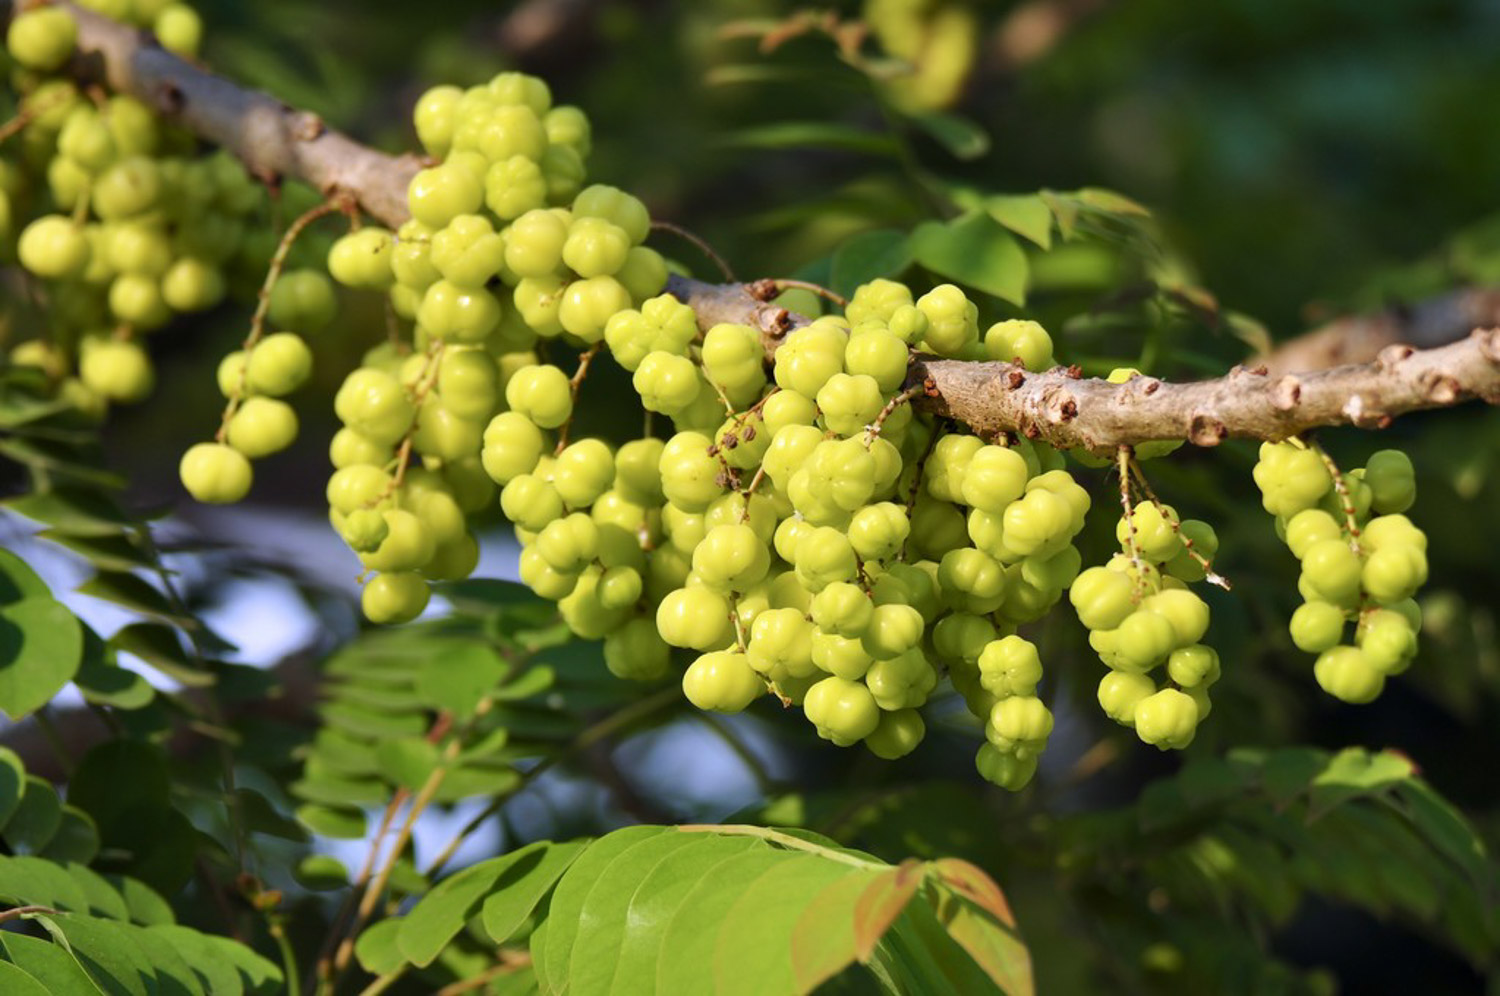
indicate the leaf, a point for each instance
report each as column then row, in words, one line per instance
column 103, row 682
column 217, row 973
column 1025, row 214
column 568, row 897
column 339, row 823
column 15, row 982
column 976, row 251
column 76, row 838
column 50, row 964
column 108, row 553
column 72, row 513
column 1064, row 209
column 321, row 873
column 813, row 135
column 259, row 975
column 659, row 894
column 376, row 948
column 96, row 783
column 36, row 819
column 1249, row 331
column 1286, row 774
column 459, row 676
column 880, row 252
column 1110, row 202
column 12, row 782
column 601, row 921
column 763, row 919
column 523, row 887
column 1353, row 773
column 147, row 908
column 41, row 646
column 28, row 881
column 934, row 956
column 687, row 944
column 992, row 942
column 111, row 959
column 441, row 914
column 408, row 762
column 970, row 882
column 822, row 942
column 161, row 648
column 102, row 898
column 134, row 594
column 528, row 684
column 879, row 906
column 1444, row 826
column 960, row 136
column 18, row 580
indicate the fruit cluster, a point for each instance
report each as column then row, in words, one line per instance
column 1142, row 617
column 1362, row 561
column 129, row 224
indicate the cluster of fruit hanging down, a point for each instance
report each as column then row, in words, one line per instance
column 1362, row 561
column 116, row 215
column 801, row 529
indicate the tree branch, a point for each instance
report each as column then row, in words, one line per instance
column 991, row 398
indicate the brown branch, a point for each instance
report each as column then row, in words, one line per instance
column 991, row 398
column 273, row 140
column 1435, row 321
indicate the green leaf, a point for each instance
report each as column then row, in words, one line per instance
column 147, row 908
column 111, row 958
column 41, row 646
column 95, row 784
column 172, row 973
column 103, row 899
column 372, row 723
column 1439, row 822
column 58, row 459
column 377, row 950
column 102, row 681
column 1287, row 773
column 161, row 648
column 814, row 135
column 1355, row 772
column 1110, row 202
column 553, row 958
column 12, row 782
column 340, row 823
column 881, row 252
column 960, row 136
column 18, row 580
column 528, row 684
column 659, row 894
column 260, row 977
column 764, row 917
column 1025, row 214
column 601, row 921
column 1064, row 209
column 688, row 943
column 36, row 819
column 442, row 913
column 459, row 676
column 27, row 881
column 50, row 964
column 976, row 251
column 72, row 512
column 523, row 887
column 15, row 982
column 108, row 553
column 217, row 973
column 76, row 839
column 321, row 873
column 408, row 762
column 134, row 594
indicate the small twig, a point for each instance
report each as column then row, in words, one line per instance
column 263, row 302
column 21, row 912
column 872, row 431
column 575, row 384
column 700, row 243
column 782, row 284
column 1209, row 574
column 1132, row 549
column 510, row 961
column 1341, row 486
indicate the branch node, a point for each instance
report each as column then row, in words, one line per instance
column 1206, row 430
column 1074, row 372
column 1489, row 343
column 309, row 126
column 1441, row 388
column 1014, row 379
column 1393, row 354
column 1287, row 393
column 1150, row 385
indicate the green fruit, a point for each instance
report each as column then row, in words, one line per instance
column 391, row 598
column 117, row 369
column 1347, row 674
column 1167, row 719
column 42, row 38
column 215, row 474
column 262, row 426
column 843, row 711
column 722, row 681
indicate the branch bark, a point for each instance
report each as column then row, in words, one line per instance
column 276, row 141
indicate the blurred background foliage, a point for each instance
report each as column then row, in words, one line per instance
column 1299, row 161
